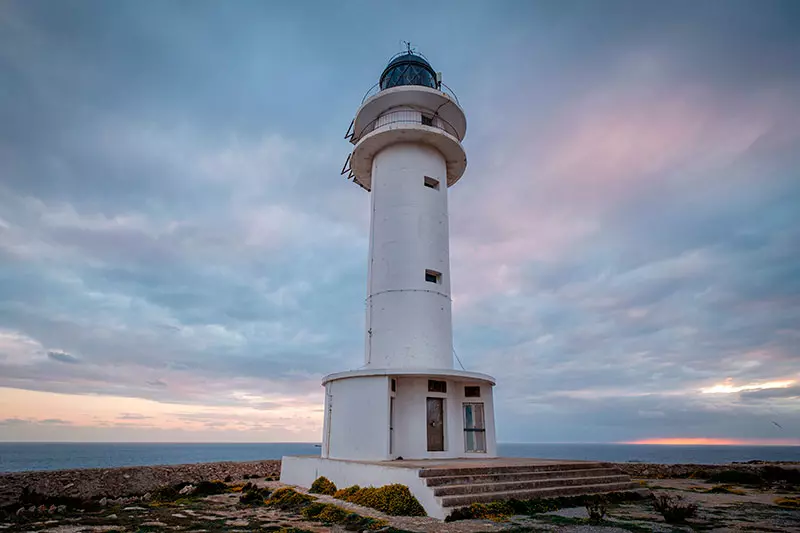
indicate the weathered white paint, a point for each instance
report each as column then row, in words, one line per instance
column 357, row 418
column 408, row 319
column 302, row 471
column 357, row 415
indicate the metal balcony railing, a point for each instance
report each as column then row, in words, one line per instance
column 375, row 89
column 406, row 116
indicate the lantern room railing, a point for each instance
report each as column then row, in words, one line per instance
column 405, row 116
column 375, row 89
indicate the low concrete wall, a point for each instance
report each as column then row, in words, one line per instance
column 302, row 471
column 667, row 471
column 90, row 483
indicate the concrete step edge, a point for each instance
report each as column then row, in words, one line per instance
column 478, row 488
column 441, row 481
column 550, row 492
column 469, row 470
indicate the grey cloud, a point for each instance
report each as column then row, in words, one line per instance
column 14, row 422
column 131, row 159
column 785, row 392
column 133, row 416
column 63, row 357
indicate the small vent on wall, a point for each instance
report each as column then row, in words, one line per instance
column 431, row 183
column 431, row 276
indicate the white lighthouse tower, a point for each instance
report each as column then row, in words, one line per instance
column 407, row 400
column 407, row 415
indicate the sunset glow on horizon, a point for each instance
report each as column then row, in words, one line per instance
column 728, row 387
column 710, row 441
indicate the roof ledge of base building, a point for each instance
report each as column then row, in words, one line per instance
column 456, row 375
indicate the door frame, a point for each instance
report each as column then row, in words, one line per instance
column 443, row 402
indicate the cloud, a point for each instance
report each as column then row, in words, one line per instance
column 625, row 235
column 63, row 357
column 133, row 416
column 785, row 392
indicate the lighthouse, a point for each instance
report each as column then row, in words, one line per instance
column 407, row 415
column 407, row 399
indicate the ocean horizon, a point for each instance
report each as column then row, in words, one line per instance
column 23, row 456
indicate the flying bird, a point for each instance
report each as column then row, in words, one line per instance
column 780, row 426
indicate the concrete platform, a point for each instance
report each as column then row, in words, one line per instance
column 442, row 485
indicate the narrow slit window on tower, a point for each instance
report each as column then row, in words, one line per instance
column 437, row 386
column 433, row 183
column 394, row 385
column 427, row 121
column 431, row 276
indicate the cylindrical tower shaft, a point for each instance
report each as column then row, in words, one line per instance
column 409, row 322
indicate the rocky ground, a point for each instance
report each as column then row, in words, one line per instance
column 732, row 508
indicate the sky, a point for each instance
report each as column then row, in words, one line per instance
column 180, row 259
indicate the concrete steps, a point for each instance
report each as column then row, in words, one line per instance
column 518, row 476
column 475, row 488
column 460, row 486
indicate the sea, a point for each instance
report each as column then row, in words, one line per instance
column 21, row 456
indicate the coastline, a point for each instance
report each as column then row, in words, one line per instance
column 126, row 481
column 135, row 481
column 131, row 499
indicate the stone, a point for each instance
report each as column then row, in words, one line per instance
column 103, row 502
column 188, row 489
column 61, row 509
column 32, row 509
column 20, row 511
column 147, row 497
column 134, row 508
column 112, row 517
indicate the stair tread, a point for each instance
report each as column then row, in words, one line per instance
column 542, row 475
column 461, row 499
column 620, row 478
column 489, row 469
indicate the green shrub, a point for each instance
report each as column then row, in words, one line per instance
column 788, row 502
column 346, row 493
column 288, row 499
column 165, row 494
column 735, row 477
column 252, row 495
column 313, row 510
column 777, row 474
column 726, row 489
column 501, row 510
column 208, row 488
column 323, row 485
column 596, row 508
column 498, row 511
column 395, row 500
column 674, row 509
column 331, row 514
